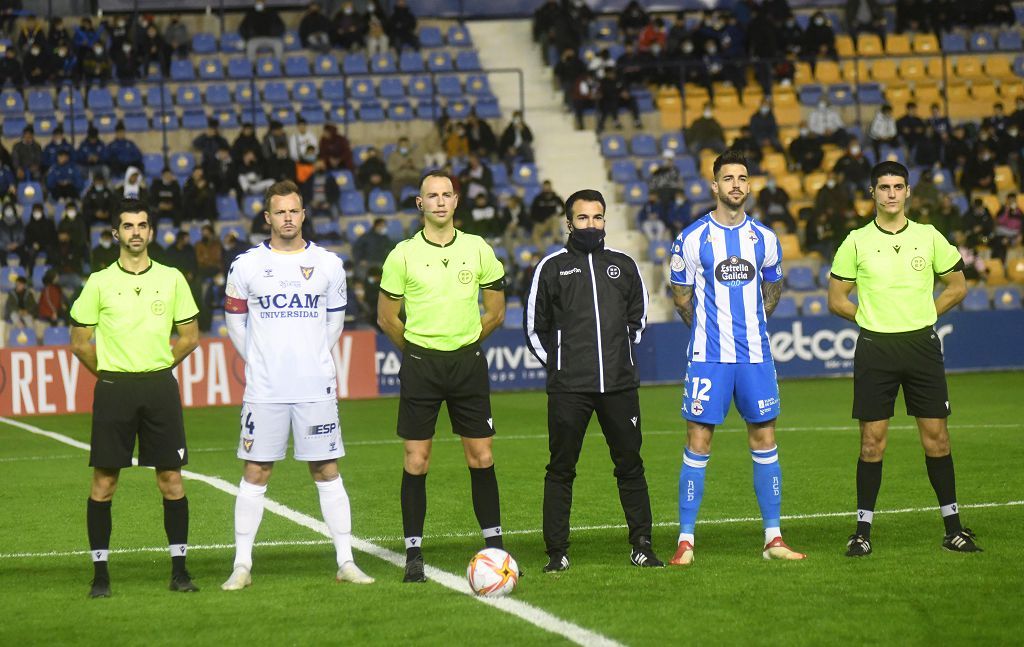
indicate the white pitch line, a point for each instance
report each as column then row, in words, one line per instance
column 531, row 614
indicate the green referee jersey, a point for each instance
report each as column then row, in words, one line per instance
column 441, row 286
column 895, row 274
column 133, row 315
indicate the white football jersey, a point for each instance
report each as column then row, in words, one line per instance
column 287, row 297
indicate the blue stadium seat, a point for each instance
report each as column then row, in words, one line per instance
column 400, row 110
column 257, row 118
column 458, row 108
column 428, row 109
column 657, row 251
column 1018, row 66
column 814, row 305
column 204, row 43
column 487, row 108
column 351, row 203
column 698, row 190
column 383, row 63
column 976, row 300
column 292, row 42
column 410, row 61
column 430, row 36
column 499, row 174
column 458, row 36
column 182, row 70
column 623, row 171
column 478, row 85
column 11, row 103
column 313, row 114
column 360, row 153
column 276, row 94
column 231, row 43
column 194, row 119
column 100, row 99
column 13, row 126
column 440, row 61
column 1007, row 298
column 636, row 193
column 105, row 122
column 823, row 274
column 356, row 227
column 467, row 60
column 268, row 67
column 391, row 88
column 9, row 275
column 687, row 166
column 75, row 127
column 153, row 99
column 45, row 124
column 333, row 90
column 644, row 100
column 245, row 97
column 421, row 86
column 56, row 336
column 283, row 114
column 40, row 101
column 326, row 227
column 239, row 67
column 252, row 205
column 800, row 278
column 136, row 122
column 218, row 95
column 304, row 92
column 605, row 30
column 227, row 208
column 841, row 94
column 296, row 65
column 189, row 96
column 340, row 113
column 982, row 41
column 21, row 337
column 165, row 233
column 396, row 229
column 167, row 120
column 29, row 193
column 673, row 142
column 525, row 174
column 70, row 100
column 326, row 65
column 181, row 164
column 810, row 94
column 153, row 72
column 953, row 43
column 449, row 85
column 355, row 63
column 39, row 271
column 1009, row 40
column 870, row 94
column 152, row 165
column 362, row 89
column 643, row 145
column 613, row 146
column 786, row 308
column 344, row 179
column 210, row 69
column 522, row 255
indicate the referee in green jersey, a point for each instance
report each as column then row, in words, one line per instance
column 893, row 263
column 133, row 305
column 438, row 275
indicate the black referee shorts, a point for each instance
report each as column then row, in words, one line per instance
column 458, row 377
column 147, row 405
column 884, row 362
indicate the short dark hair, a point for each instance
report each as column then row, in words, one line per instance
column 284, row 187
column 588, row 195
column 436, row 173
column 129, row 206
column 729, row 157
column 889, row 168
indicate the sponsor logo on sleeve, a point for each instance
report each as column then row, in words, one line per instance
column 676, row 263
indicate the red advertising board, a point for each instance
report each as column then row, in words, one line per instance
column 51, row 380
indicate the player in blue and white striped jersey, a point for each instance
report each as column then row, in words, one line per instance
column 726, row 280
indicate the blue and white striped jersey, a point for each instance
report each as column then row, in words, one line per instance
column 725, row 266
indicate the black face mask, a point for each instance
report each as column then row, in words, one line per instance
column 587, row 240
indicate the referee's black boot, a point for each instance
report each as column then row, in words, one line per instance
column 414, row 570
column 100, row 588
column 182, row 583
column 643, row 555
column 557, row 562
column 961, row 542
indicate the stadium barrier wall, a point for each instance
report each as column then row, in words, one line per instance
column 51, row 380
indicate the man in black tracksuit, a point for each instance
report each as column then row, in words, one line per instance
column 586, row 308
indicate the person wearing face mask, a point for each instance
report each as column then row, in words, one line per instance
column 97, row 67
column 546, row 216
column 12, row 230
column 585, row 310
column 349, row 30
column 262, row 28
column 99, row 201
column 764, row 128
column 92, row 154
column 854, row 168
column 40, row 237
column 403, row 167
column 315, row 29
column 86, row 36
column 373, row 247
column 64, row 180
column 300, row 141
column 127, row 63
column 36, row 64
column 199, row 198
column 819, row 39
column 862, row 15
column 979, row 171
column 64, row 64
column 104, row 253
column 883, row 131
column 773, row 202
column 825, row 122
column 705, row 132
column 20, row 305
column 516, row 141
column 10, row 68
column 74, row 226
column 177, row 36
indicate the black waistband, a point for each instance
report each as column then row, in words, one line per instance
column 907, row 333
column 124, row 375
column 475, row 346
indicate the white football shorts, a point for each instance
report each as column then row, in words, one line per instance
column 314, row 426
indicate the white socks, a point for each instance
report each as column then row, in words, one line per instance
column 248, row 514
column 338, row 516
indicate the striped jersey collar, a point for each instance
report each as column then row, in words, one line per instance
column 711, row 219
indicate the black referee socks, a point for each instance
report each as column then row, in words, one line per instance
column 414, row 511
column 176, row 527
column 97, row 520
column 869, row 482
column 486, row 504
column 943, row 479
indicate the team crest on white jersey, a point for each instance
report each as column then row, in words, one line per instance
column 306, row 272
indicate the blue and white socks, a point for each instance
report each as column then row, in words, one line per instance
column 768, row 488
column 691, row 492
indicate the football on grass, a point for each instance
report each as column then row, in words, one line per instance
column 492, row 573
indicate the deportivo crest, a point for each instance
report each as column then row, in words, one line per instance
column 306, row 272
column 247, row 444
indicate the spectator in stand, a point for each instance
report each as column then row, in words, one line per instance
column 939, row 122
column 633, row 67
column 376, row 37
column 233, row 248
column 68, row 262
column 476, row 178
column 997, row 121
column 262, row 28
column 315, row 29
column 177, row 36
column 401, row 27
column 854, row 168
column 833, row 199
column 206, row 144
column 133, row 187
column 373, row 246
column 516, row 141
column 20, row 306
column 57, row 33
column 763, row 46
column 911, row 16
column 956, row 150
column 92, row 154
column 64, row 180
column 10, row 68
column 349, row 28
column 209, row 254
column 820, row 236
column 666, row 180
column 97, row 67
column 677, row 214
column 978, row 224
column 152, row 48
column 85, row 37
column 910, row 128
column 773, row 202
column 569, row 68
column 182, row 256
column 763, row 127
column 652, row 223
column 99, row 202
column 706, row 133
column 335, row 150
column 12, row 230
column 64, row 64
column 246, row 141
column 653, row 37
column 165, row 199
column 122, row 153
column 882, row 130
column 75, row 227
column 633, row 20
column 252, row 177
column 979, row 173
column 118, row 31
column 481, row 138
column 825, row 122
column 456, row 144
column 58, row 143
column 280, row 166
column 546, row 215
column 613, row 96
column 40, row 238
column 199, row 199
column 31, row 32
column 320, row 192
column 748, row 146
column 300, row 140
column 928, row 152
column 865, row 15
column 220, row 171
column 974, row 264
column 274, row 139
column 104, row 253
column 36, row 64
column 373, row 173
column 27, row 156
column 402, row 167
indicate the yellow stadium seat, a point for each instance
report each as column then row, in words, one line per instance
column 897, row 94
column 785, row 98
column 757, row 183
column 999, row 67
column 1011, row 91
column 844, row 46
column 996, row 275
column 671, row 111
column 788, row 116
column 814, row 181
column 774, row 164
column 958, row 92
column 926, row 94
column 991, row 202
column 883, row 70
column 985, row 93
column 849, row 69
column 831, row 157
column 827, row 72
column 803, row 75
column 791, row 185
column 753, row 95
column 787, row 134
column 726, row 97
column 707, row 161
column 1015, row 270
column 965, row 68
column 693, row 90
column 790, row 244
column 912, row 69
column 1004, row 179
column 869, row 44
column 897, row 44
column 926, row 43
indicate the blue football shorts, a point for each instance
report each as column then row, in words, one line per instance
column 710, row 387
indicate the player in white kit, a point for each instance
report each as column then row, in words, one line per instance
column 285, row 308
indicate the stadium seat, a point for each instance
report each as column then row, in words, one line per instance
column 56, row 336
column 136, row 122
column 897, row 44
column 786, row 308
column 182, row 70
column 523, row 254
column 400, row 110
column 995, row 271
column 218, row 95
column 623, row 171
column 657, row 251
column 810, row 94
column 292, row 42
column 313, row 114
column 673, row 142
column 1006, row 298
column 268, row 68
column 953, row 43
column 355, row 63
column 11, row 103
column 391, row 88
column 1009, row 40
column 362, row 89
column 152, row 165
column 467, row 60
column 487, row 108
column 643, row 145
column 613, row 146
column 276, row 94
column 194, row 119
column 449, row 85
column 231, row 42
column 227, row 208
column 925, row 44
column 44, row 125
column 790, row 244
column 1015, row 270
column 422, row 87
column 245, row 97
column 982, row 41
column 340, row 113
column 252, row 205
column 869, row 44
column 440, row 61
column 70, row 100
column 827, row 72
column 458, row 36
column 383, row 63
column 333, row 90
column 155, row 99
column 372, row 111
column 814, row 305
column 410, row 61
column 356, row 227
column 513, row 317
column 430, row 36
column 870, row 94
column 636, row 193
column 100, row 99
column 21, row 337
column 525, row 174
column 105, row 123
column 40, row 101
column 210, row 69
column 296, row 65
column 800, row 278
column 326, row 65
column 29, row 193
column 239, row 67
column 976, row 300
column 478, row 85
column 351, row 203
column 181, row 164
column 698, row 190
column 189, row 96
column 304, row 92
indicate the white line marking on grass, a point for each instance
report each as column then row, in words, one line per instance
column 163, row 549
column 18, row 459
column 531, row 614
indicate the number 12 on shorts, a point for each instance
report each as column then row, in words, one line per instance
column 701, row 386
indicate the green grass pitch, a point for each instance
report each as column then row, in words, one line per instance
column 909, row 592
